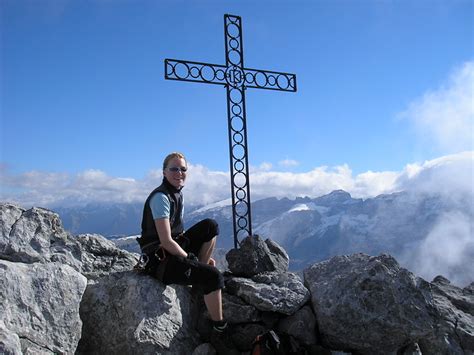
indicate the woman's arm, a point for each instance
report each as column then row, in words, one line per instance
column 164, row 233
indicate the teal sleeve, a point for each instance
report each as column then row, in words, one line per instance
column 160, row 206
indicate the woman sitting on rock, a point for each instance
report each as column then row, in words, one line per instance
column 176, row 256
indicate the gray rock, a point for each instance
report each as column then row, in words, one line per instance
column 100, row 256
column 128, row 313
column 256, row 256
column 454, row 320
column 411, row 349
column 363, row 304
column 469, row 288
column 237, row 311
column 38, row 236
column 9, row 214
column 271, row 291
column 369, row 304
column 204, row 349
column 9, row 341
column 301, row 325
column 280, row 258
column 39, row 303
column 244, row 335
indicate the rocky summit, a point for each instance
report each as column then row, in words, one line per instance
column 78, row 294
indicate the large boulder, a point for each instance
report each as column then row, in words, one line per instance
column 369, row 305
column 271, row 291
column 41, row 284
column 128, row 313
column 256, row 256
column 100, row 256
column 301, row 325
column 454, row 319
column 39, row 306
column 237, row 311
column 37, row 236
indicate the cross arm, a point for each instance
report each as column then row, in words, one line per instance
column 195, row 71
column 271, row 80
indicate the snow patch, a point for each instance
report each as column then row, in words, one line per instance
column 212, row 206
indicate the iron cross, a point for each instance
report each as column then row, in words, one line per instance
column 236, row 78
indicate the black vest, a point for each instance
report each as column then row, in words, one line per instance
column 149, row 235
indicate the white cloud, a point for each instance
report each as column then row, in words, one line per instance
column 445, row 117
column 451, row 175
column 204, row 186
column 448, row 249
column 59, row 189
column 288, row 163
column 265, row 166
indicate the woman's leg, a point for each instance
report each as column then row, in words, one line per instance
column 183, row 271
column 206, row 251
column 213, row 303
column 201, row 239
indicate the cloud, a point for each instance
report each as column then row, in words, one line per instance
column 265, row 166
column 204, row 186
column 451, row 175
column 445, row 117
column 46, row 189
column 288, row 163
column 447, row 250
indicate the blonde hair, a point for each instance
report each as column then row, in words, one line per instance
column 171, row 156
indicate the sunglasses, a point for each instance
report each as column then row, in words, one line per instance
column 175, row 169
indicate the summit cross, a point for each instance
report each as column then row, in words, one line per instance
column 236, row 78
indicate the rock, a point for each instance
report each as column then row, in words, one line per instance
column 237, row 311
column 100, row 256
column 469, row 288
column 278, row 255
column 271, row 291
column 363, row 305
column 204, row 349
column 411, row 349
column 256, row 256
column 9, row 341
column 128, row 313
column 369, row 304
column 301, row 325
column 37, row 236
column 461, row 299
column 244, row 335
column 39, row 304
column 9, row 214
column 454, row 320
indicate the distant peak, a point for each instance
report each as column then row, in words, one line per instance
column 336, row 196
column 339, row 192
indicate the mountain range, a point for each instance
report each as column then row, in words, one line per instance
column 430, row 234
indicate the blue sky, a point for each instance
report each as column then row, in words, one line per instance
column 382, row 85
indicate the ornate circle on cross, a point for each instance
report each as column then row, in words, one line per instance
column 234, row 76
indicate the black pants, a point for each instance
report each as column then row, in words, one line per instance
column 183, row 271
